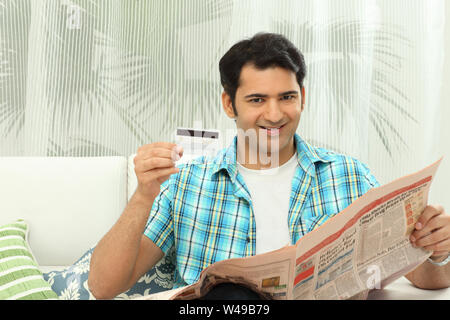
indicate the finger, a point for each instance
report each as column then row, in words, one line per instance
column 153, row 163
column 156, row 175
column 434, row 223
column 179, row 149
column 440, row 246
column 159, row 173
column 164, row 178
column 156, row 152
column 164, row 145
column 177, row 152
column 428, row 213
column 433, row 238
column 439, row 253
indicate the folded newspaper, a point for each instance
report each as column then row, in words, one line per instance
column 366, row 246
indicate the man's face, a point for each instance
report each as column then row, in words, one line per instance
column 269, row 103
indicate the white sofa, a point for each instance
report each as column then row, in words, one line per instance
column 70, row 203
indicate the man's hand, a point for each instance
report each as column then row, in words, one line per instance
column 433, row 232
column 153, row 164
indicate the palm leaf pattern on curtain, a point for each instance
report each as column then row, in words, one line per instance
column 126, row 70
column 342, row 56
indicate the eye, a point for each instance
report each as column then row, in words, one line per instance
column 256, row 100
column 288, row 97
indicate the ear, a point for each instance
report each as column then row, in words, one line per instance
column 227, row 105
column 303, row 98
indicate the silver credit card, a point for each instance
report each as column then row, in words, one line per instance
column 197, row 142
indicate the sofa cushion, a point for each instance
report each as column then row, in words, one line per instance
column 20, row 277
column 70, row 203
column 72, row 282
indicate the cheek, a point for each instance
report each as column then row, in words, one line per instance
column 294, row 114
column 298, row 112
column 247, row 120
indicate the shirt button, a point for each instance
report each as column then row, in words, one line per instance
column 248, row 239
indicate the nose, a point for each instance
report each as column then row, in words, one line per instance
column 273, row 112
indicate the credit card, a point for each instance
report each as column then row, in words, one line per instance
column 197, row 142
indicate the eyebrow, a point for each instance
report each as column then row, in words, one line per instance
column 260, row 95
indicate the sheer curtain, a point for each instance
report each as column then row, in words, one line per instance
column 91, row 78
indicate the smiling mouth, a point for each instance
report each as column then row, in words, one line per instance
column 272, row 128
column 272, row 131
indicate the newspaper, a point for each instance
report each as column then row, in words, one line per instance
column 366, row 246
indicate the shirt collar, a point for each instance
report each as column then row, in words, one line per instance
column 307, row 156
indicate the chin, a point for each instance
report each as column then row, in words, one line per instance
column 276, row 145
column 270, row 147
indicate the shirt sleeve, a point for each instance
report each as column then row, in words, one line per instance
column 159, row 226
column 370, row 180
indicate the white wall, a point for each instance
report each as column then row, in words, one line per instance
column 440, row 190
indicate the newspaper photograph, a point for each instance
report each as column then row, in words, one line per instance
column 364, row 247
column 269, row 274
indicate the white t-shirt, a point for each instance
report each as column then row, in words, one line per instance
column 270, row 191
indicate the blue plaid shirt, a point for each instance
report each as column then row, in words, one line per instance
column 205, row 210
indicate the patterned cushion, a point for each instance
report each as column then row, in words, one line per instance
column 71, row 283
column 20, row 277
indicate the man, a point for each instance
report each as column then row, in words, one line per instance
column 267, row 189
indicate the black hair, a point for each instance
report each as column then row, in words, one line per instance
column 263, row 50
